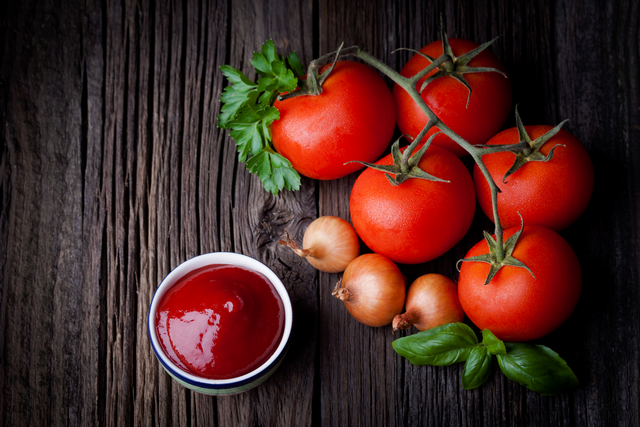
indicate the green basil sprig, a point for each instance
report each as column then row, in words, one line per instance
column 247, row 109
column 535, row 366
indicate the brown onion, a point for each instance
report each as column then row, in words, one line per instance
column 330, row 244
column 373, row 289
column 432, row 300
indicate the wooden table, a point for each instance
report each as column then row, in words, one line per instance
column 113, row 172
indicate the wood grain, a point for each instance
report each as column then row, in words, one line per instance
column 113, row 172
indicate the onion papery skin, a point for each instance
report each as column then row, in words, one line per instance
column 332, row 244
column 373, row 289
column 432, row 300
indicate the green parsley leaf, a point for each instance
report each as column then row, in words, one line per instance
column 282, row 79
column 296, row 66
column 243, row 92
column 269, row 51
column 275, row 171
column 250, row 129
column 247, row 110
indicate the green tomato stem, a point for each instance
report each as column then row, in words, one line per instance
column 409, row 85
column 441, row 60
column 410, row 149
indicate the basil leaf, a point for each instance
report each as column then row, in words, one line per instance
column 493, row 344
column 440, row 346
column 537, row 367
column 477, row 368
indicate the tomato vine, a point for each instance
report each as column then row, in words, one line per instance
column 500, row 254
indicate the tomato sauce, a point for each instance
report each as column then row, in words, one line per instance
column 220, row 321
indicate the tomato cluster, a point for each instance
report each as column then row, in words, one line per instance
column 413, row 206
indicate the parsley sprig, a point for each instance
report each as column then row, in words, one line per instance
column 248, row 111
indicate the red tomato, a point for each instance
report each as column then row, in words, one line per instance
column 352, row 119
column 516, row 306
column 552, row 194
column 488, row 108
column 417, row 220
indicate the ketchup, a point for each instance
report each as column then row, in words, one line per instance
column 220, row 321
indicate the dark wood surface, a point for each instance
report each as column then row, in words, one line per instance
column 113, row 172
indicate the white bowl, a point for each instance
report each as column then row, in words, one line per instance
column 232, row 385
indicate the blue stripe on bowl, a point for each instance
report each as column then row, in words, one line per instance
column 228, row 388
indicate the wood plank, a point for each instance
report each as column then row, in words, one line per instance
column 42, row 288
column 358, row 365
column 92, row 341
column 119, row 290
column 257, row 220
column 145, row 402
column 602, row 104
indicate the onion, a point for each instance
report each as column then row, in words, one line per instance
column 331, row 244
column 373, row 289
column 432, row 300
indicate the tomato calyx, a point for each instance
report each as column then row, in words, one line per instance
column 528, row 150
column 312, row 85
column 405, row 165
column 500, row 256
column 454, row 66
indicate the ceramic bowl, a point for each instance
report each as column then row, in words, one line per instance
column 232, row 385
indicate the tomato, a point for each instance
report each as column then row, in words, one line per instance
column 417, row 220
column 515, row 305
column 352, row 119
column 488, row 108
column 552, row 194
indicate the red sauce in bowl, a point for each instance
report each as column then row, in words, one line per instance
column 220, row 321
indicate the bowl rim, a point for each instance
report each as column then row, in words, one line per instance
column 212, row 258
